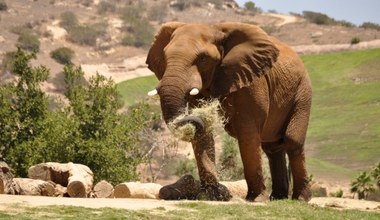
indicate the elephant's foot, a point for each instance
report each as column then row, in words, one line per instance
column 214, row 193
column 185, row 188
column 303, row 195
column 278, row 195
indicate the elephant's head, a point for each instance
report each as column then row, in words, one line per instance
column 198, row 60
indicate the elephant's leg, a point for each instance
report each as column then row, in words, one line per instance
column 251, row 156
column 294, row 144
column 278, row 170
column 301, row 187
column 204, row 151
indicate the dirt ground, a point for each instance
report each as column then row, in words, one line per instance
column 137, row 204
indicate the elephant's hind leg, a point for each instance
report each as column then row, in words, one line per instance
column 278, row 170
column 294, row 144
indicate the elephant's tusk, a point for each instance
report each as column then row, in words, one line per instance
column 194, row 91
column 153, row 92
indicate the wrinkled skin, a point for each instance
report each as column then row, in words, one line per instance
column 264, row 91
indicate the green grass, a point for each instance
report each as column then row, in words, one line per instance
column 193, row 210
column 136, row 90
column 345, row 122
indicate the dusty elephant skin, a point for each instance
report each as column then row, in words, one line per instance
column 264, row 91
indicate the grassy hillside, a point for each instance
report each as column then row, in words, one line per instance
column 345, row 119
column 344, row 131
column 136, row 90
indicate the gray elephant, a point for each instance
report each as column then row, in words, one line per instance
column 264, row 91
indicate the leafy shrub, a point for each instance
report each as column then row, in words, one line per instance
column 81, row 34
column 158, row 13
column 28, row 41
column 62, row 55
column 370, row 25
column 362, row 185
column 337, row 194
column 89, row 131
column 69, row 20
column 3, row 5
column 355, row 40
column 84, row 35
column 251, row 7
column 230, row 164
column 139, row 31
column 128, row 40
column 105, row 7
column 317, row 18
column 375, row 173
column 8, row 60
column 23, row 109
column 186, row 166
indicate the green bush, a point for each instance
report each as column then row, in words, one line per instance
column 62, row 55
column 89, row 130
column 317, row 18
column 139, row 31
column 106, row 7
column 370, row 25
column 81, row 34
column 28, row 41
column 230, row 165
column 158, row 13
column 251, row 7
column 8, row 60
column 337, row 194
column 84, row 35
column 23, row 109
column 355, row 40
column 186, row 166
column 362, row 185
column 69, row 20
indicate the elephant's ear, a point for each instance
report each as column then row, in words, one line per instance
column 249, row 53
column 156, row 59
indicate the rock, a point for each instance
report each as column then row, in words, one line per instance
column 318, row 190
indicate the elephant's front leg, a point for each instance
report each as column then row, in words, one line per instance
column 204, row 151
column 250, row 150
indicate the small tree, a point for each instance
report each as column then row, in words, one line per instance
column 23, row 109
column 62, row 55
column 28, row 41
column 362, row 185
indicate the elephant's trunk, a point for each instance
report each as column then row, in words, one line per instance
column 194, row 120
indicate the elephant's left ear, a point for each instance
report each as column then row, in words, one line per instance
column 249, row 53
column 155, row 59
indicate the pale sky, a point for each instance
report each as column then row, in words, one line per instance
column 354, row 11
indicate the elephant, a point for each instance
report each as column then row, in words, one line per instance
column 264, row 92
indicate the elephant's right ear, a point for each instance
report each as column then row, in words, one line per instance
column 156, row 59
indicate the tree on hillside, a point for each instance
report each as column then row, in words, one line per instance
column 251, row 7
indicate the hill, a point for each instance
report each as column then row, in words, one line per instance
column 104, row 35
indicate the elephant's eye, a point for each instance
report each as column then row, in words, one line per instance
column 202, row 58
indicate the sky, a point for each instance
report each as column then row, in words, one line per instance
column 354, row 11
